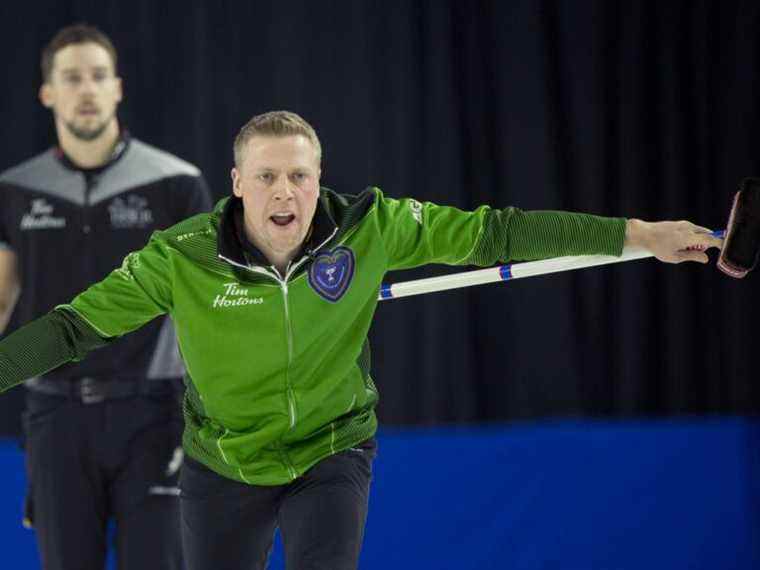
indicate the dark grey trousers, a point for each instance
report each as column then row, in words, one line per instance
column 88, row 464
column 227, row 525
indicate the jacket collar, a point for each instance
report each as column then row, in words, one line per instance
column 119, row 150
column 234, row 246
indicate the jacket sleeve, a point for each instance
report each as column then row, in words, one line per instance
column 416, row 233
column 126, row 299
column 45, row 344
column 130, row 296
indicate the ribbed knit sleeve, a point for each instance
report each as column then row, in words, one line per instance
column 44, row 344
column 514, row 235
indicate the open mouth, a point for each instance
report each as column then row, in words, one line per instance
column 282, row 220
column 87, row 111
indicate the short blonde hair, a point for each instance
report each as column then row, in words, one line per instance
column 275, row 124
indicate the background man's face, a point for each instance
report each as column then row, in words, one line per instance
column 82, row 90
column 278, row 182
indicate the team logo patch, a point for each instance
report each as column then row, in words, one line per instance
column 331, row 273
column 130, row 212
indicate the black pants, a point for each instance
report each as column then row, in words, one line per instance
column 88, row 463
column 227, row 525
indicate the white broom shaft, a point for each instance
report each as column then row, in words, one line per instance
column 509, row 272
column 504, row 273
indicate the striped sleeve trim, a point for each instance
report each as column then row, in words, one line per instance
column 70, row 309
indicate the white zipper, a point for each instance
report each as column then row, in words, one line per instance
column 274, row 274
column 289, row 270
column 289, row 334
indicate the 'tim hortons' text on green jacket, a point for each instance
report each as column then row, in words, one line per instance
column 278, row 367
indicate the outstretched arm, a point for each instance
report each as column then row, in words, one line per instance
column 129, row 297
column 44, row 344
column 418, row 233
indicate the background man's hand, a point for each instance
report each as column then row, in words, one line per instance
column 671, row 242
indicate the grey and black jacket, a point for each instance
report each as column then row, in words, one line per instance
column 69, row 227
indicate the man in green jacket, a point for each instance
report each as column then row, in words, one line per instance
column 272, row 295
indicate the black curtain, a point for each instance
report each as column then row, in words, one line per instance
column 641, row 109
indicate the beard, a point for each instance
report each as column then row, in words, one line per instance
column 88, row 133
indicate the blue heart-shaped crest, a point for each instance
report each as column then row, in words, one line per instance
column 331, row 273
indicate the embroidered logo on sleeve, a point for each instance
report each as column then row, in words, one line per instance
column 416, row 209
column 331, row 273
column 128, row 266
column 188, row 235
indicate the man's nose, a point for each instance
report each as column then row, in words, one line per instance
column 284, row 190
column 87, row 86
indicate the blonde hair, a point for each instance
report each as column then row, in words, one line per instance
column 274, row 124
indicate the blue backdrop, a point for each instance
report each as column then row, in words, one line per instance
column 571, row 495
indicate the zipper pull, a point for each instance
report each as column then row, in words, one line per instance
column 280, row 276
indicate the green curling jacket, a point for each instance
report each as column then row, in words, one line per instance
column 278, row 367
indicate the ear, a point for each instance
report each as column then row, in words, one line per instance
column 119, row 90
column 46, row 95
column 236, row 190
column 318, row 182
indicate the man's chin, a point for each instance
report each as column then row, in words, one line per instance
column 285, row 246
column 87, row 133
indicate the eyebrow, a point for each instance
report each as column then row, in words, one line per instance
column 263, row 169
column 77, row 69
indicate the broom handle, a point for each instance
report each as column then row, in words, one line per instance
column 509, row 272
